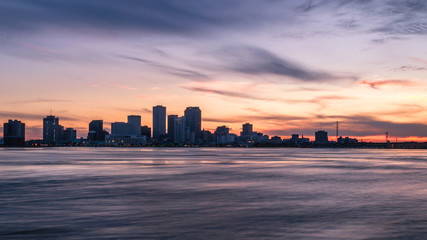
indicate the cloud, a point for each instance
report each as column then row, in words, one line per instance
column 257, row 61
column 228, row 93
column 392, row 82
column 418, row 60
column 409, row 68
column 40, row 100
column 161, row 16
column 33, row 132
column 113, row 85
column 319, row 100
column 31, row 116
column 401, row 18
column 180, row 72
column 130, row 110
column 222, row 120
column 352, row 125
column 365, row 126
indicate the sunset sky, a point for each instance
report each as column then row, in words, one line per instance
column 285, row 66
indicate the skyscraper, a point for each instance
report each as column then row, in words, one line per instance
column 134, row 122
column 171, row 124
column 70, row 134
column 159, row 121
column 247, row 129
column 51, row 130
column 96, row 131
column 14, row 133
column 179, row 130
column 193, row 118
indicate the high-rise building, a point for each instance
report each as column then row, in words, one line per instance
column 179, row 130
column 96, row 131
column 51, row 130
column 159, row 121
column 171, row 124
column 14, row 133
column 70, row 134
column 321, row 136
column 134, row 122
column 193, row 117
column 247, row 129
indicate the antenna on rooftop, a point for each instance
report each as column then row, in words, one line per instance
column 337, row 131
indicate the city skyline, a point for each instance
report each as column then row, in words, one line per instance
column 309, row 132
column 174, row 129
column 284, row 66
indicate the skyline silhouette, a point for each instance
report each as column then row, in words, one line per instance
column 329, row 126
column 173, row 129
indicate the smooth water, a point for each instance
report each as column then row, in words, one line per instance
column 212, row 193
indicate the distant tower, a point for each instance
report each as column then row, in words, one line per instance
column 96, row 131
column 337, row 131
column 171, row 126
column 134, row 122
column 159, row 121
column 386, row 137
column 179, row 128
column 14, row 133
column 247, row 129
column 193, row 120
column 51, row 130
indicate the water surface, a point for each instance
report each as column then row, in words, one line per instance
column 212, row 193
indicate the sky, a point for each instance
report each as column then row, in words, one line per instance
column 285, row 66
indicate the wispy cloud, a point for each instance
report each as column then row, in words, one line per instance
column 159, row 17
column 132, row 110
column 228, row 93
column 352, row 125
column 318, row 100
column 40, row 100
column 391, row 82
column 257, row 61
column 32, row 116
column 113, row 85
column 409, row 68
column 419, row 60
column 180, row 72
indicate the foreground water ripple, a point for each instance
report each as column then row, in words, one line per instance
column 212, row 193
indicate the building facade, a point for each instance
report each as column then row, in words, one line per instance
column 193, row 116
column 14, row 133
column 52, row 131
column 134, row 122
column 180, row 130
column 321, row 136
column 171, row 126
column 96, row 131
column 159, row 121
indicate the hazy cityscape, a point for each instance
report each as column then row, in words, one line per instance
column 174, row 130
